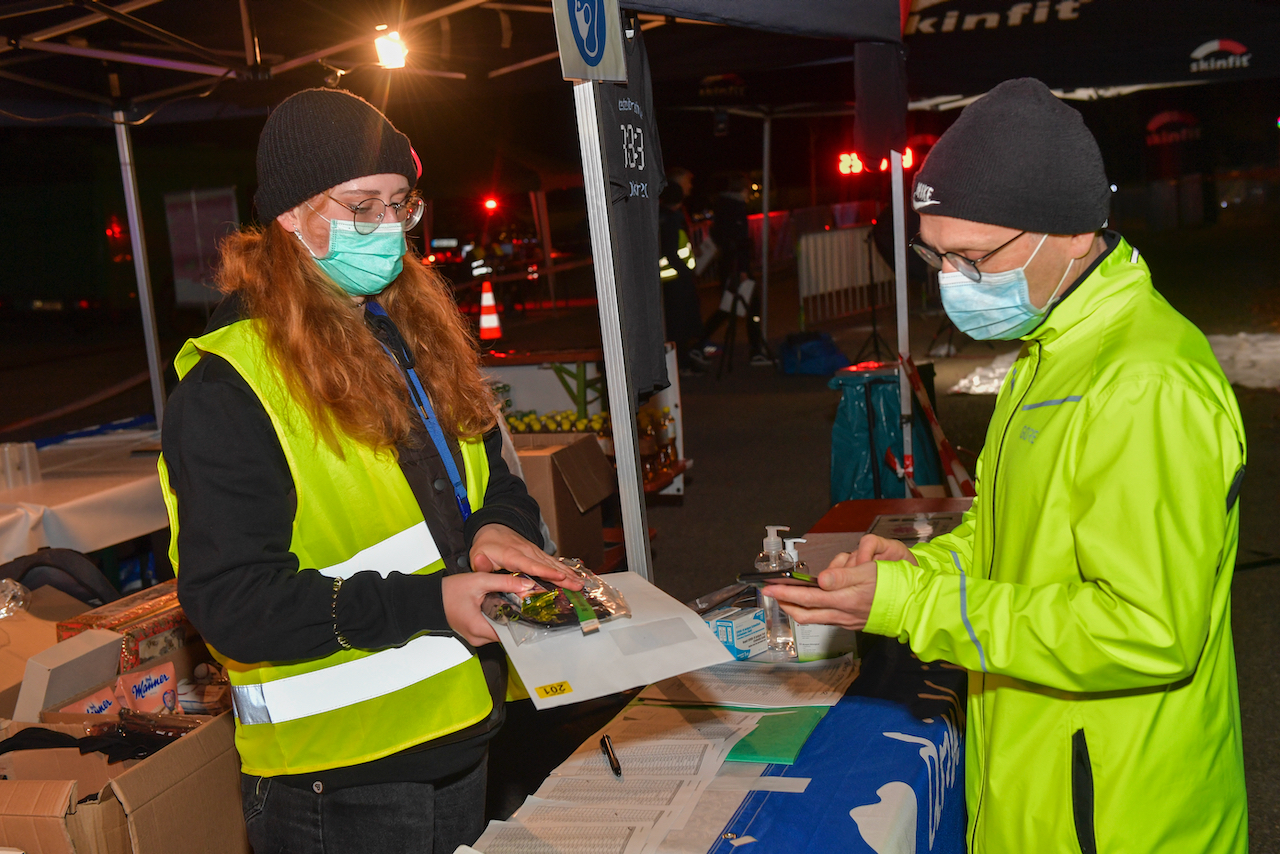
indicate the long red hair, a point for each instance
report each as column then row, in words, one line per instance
column 330, row 359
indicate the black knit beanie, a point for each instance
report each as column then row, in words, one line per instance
column 1020, row 158
column 319, row 138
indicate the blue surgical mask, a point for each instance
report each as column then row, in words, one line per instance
column 362, row 264
column 998, row 307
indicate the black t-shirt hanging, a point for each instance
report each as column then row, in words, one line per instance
column 634, row 161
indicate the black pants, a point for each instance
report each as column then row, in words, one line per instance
column 389, row 818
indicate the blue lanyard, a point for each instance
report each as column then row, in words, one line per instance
column 428, row 416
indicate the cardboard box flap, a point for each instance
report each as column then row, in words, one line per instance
column 90, row 771
column 182, row 773
column 33, row 815
column 65, row 669
column 37, row 797
column 587, row 473
column 100, row 827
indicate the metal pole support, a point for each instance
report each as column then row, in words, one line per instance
column 766, row 181
column 635, row 525
column 904, row 340
column 146, row 302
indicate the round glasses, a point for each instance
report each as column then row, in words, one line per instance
column 371, row 213
column 967, row 267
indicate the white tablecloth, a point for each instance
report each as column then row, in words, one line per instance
column 93, row 493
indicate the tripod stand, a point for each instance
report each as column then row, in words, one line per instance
column 738, row 308
column 876, row 341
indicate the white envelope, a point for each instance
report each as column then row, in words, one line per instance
column 661, row 638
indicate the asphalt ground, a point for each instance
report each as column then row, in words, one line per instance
column 761, row 441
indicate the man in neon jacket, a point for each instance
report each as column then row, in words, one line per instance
column 1088, row 589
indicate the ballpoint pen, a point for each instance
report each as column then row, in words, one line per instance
column 606, row 747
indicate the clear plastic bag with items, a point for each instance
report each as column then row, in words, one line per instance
column 546, row 611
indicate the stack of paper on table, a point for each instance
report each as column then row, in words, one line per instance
column 669, row 757
column 757, row 685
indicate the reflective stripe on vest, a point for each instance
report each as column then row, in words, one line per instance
column 407, row 552
column 348, row 683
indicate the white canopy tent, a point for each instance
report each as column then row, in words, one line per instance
column 851, row 20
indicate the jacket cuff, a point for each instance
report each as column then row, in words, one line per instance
column 500, row 515
column 893, row 583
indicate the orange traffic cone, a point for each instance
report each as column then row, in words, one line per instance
column 490, row 327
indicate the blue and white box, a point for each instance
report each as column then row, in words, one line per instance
column 741, row 630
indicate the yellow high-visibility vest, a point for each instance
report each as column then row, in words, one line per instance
column 355, row 513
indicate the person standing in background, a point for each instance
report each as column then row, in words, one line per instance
column 675, row 268
column 732, row 236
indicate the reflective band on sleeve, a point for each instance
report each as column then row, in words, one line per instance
column 407, row 552
column 348, row 683
column 1075, row 398
column 964, row 613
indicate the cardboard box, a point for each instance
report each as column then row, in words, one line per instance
column 25, row 633
column 60, row 672
column 741, row 630
column 568, row 475
column 185, row 797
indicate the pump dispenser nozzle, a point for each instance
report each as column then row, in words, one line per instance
column 790, row 548
column 772, row 542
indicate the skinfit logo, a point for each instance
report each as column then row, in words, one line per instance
column 1219, row 55
column 588, row 29
column 924, row 197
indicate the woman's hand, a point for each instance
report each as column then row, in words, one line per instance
column 871, row 547
column 847, row 589
column 463, row 594
column 498, row 547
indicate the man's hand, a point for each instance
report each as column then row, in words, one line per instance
column 871, row 547
column 499, row 547
column 463, row 594
column 847, row 589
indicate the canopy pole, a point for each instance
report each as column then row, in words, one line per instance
column 538, row 202
column 146, row 303
column 904, row 342
column 766, row 180
column 635, row 525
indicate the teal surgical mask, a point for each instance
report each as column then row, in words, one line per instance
column 998, row 307
column 362, row 264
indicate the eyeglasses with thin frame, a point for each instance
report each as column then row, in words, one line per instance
column 968, row 267
column 369, row 214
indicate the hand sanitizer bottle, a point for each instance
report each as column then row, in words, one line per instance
column 777, row 623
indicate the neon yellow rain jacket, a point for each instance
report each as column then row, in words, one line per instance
column 1088, row 590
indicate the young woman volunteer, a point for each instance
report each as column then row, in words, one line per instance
column 338, row 500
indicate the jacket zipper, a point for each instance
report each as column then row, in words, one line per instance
column 995, row 470
column 1082, row 793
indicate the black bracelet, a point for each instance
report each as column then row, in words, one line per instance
column 337, row 585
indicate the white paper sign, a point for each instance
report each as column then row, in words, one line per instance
column 661, row 638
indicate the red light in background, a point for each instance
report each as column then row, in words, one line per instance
column 490, row 204
column 431, row 259
column 884, row 165
column 84, row 303
column 850, row 164
column 908, row 158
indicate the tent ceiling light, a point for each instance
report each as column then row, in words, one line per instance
column 391, row 50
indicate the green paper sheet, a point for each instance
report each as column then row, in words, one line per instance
column 777, row 739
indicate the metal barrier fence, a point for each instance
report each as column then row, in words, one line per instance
column 841, row 273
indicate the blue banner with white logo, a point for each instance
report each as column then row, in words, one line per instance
column 887, row 771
